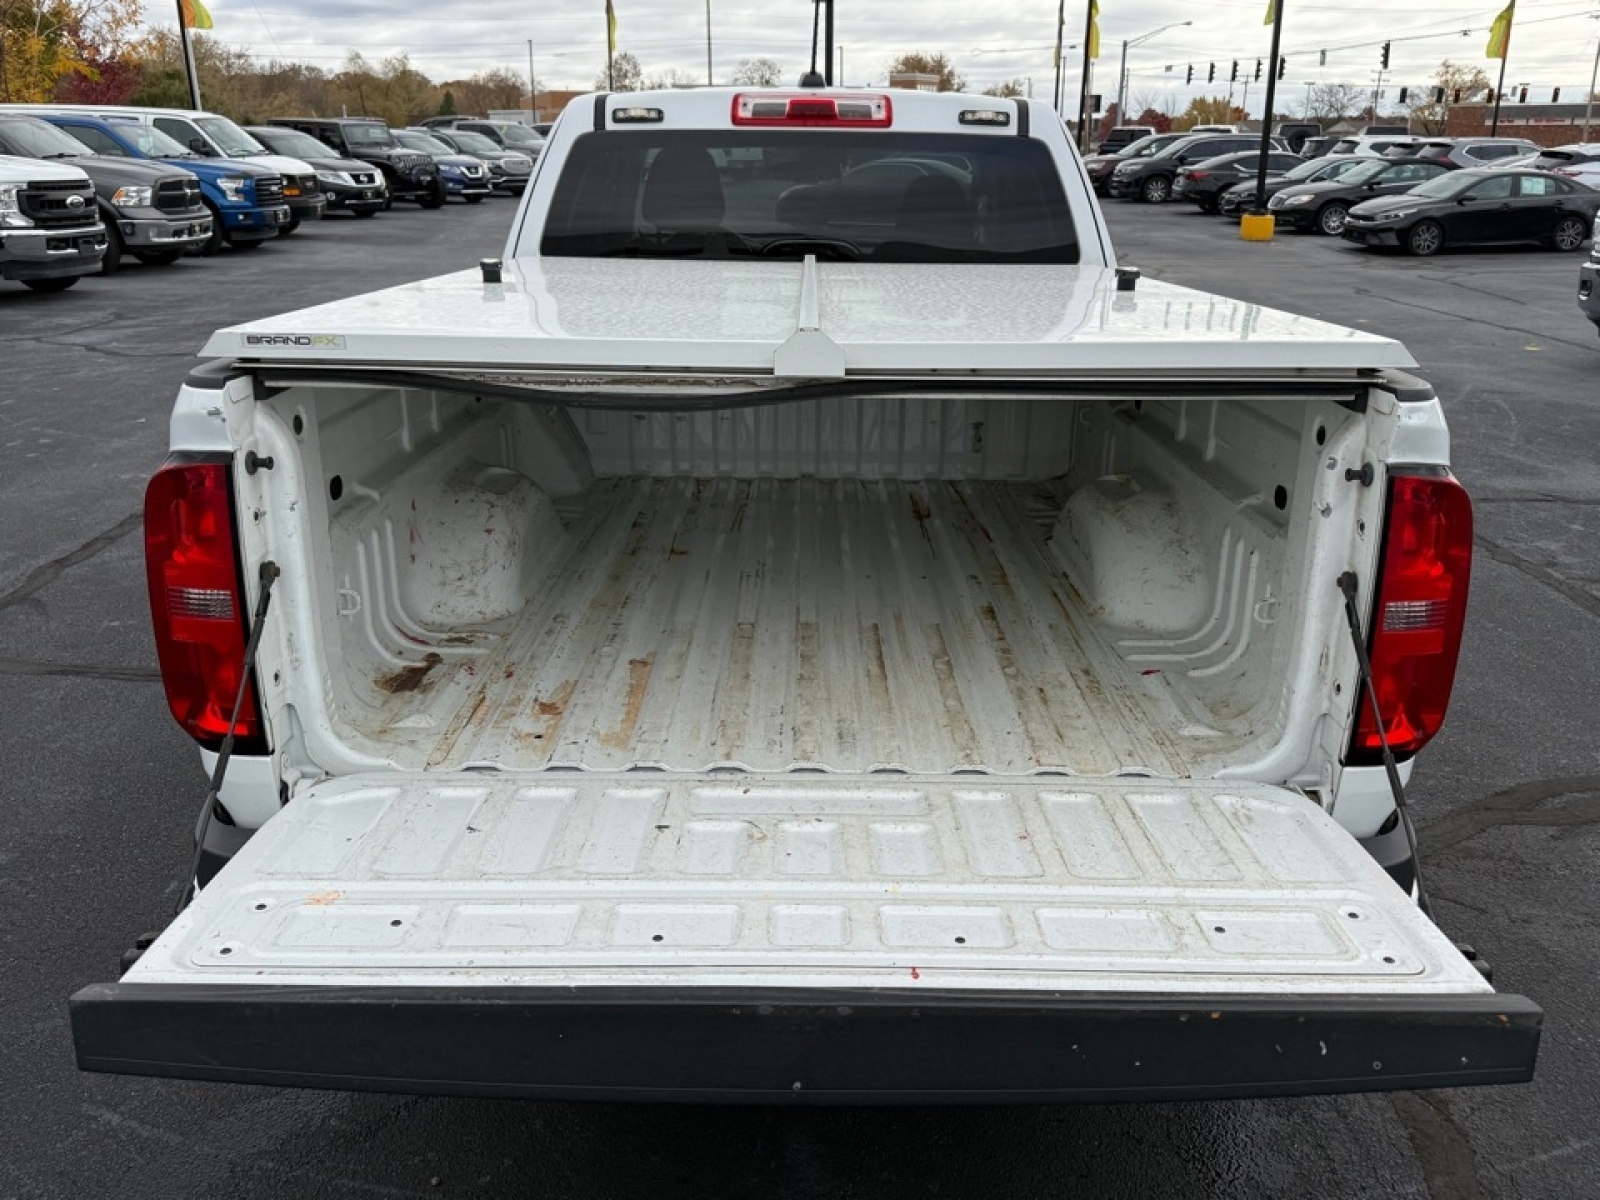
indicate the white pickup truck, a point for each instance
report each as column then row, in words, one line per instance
column 50, row 230
column 806, row 625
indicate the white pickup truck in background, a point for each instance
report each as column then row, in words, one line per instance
column 807, row 626
column 50, row 230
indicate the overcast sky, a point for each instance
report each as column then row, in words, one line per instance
column 1553, row 43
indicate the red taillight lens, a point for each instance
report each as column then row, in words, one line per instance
column 1195, row 174
column 1420, row 612
column 197, row 604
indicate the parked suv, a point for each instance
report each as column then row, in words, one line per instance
column 348, row 184
column 1473, row 151
column 245, row 200
column 509, row 170
column 1125, row 135
column 1363, row 143
column 150, row 210
column 508, row 135
column 1241, row 197
column 1100, row 166
column 409, row 175
column 1589, row 287
column 49, row 233
column 1296, row 134
column 1150, row 179
column 462, row 174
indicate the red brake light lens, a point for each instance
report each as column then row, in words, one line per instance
column 854, row 110
column 197, row 604
column 1420, row 613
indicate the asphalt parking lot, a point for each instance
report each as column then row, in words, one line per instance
column 101, row 790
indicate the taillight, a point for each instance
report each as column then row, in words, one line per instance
column 1194, row 175
column 1419, row 615
column 197, row 603
column 856, row 110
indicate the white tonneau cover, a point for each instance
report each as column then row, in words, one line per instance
column 1042, row 884
column 807, row 319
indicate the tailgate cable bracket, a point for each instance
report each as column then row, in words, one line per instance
column 1347, row 585
column 213, row 809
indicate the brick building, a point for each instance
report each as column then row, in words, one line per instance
column 1545, row 124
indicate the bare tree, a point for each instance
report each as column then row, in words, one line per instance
column 757, row 72
column 1010, row 89
column 1332, row 102
column 626, row 74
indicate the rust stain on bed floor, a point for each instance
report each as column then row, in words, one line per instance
column 409, row 679
column 638, row 681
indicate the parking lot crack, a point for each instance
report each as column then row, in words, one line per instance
column 1524, row 804
column 44, row 575
column 22, row 666
column 1543, row 335
column 1539, row 573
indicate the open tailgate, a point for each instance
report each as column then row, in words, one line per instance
column 805, row 937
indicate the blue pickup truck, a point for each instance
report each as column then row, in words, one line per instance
column 246, row 200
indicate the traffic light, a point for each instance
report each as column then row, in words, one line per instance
column 1438, row 95
column 1234, row 78
column 1322, row 58
column 1190, row 77
column 1555, row 96
column 1383, row 61
column 1283, row 65
column 1211, row 72
column 1404, row 92
column 1456, row 96
column 1522, row 96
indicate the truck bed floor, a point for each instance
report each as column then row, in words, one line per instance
column 778, row 625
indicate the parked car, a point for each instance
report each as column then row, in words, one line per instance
column 50, row 233
column 1318, row 147
column 1204, row 183
column 1323, row 206
column 1150, row 179
column 1241, row 197
column 1579, row 160
column 508, row 135
column 151, row 211
column 348, row 184
column 1478, row 207
column 1100, row 166
column 1472, row 151
column 245, row 200
column 1384, row 130
column 1125, row 135
column 407, row 174
column 509, row 170
column 462, row 174
column 1367, row 144
column 213, row 136
column 1589, row 287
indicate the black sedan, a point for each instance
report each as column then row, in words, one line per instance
column 1323, row 206
column 1241, row 197
column 1478, row 207
column 1204, row 183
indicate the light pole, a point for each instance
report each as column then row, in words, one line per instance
column 1594, row 74
column 1122, row 76
column 533, row 95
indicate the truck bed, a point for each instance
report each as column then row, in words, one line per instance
column 779, row 625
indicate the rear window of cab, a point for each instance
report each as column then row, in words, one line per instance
column 838, row 194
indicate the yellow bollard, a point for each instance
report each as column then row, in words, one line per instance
column 1256, row 227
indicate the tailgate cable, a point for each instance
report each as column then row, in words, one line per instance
column 213, row 804
column 1347, row 585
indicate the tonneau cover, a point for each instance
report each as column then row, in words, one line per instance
column 806, row 319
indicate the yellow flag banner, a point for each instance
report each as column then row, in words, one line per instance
column 194, row 14
column 1094, row 28
column 1272, row 12
column 611, row 28
column 1500, row 33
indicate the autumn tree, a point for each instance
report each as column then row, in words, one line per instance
column 626, row 75
column 936, row 65
column 43, row 42
column 1466, row 78
column 1009, row 90
column 757, row 72
column 1208, row 110
column 1157, row 120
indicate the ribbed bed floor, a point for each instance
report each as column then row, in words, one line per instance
column 777, row 625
